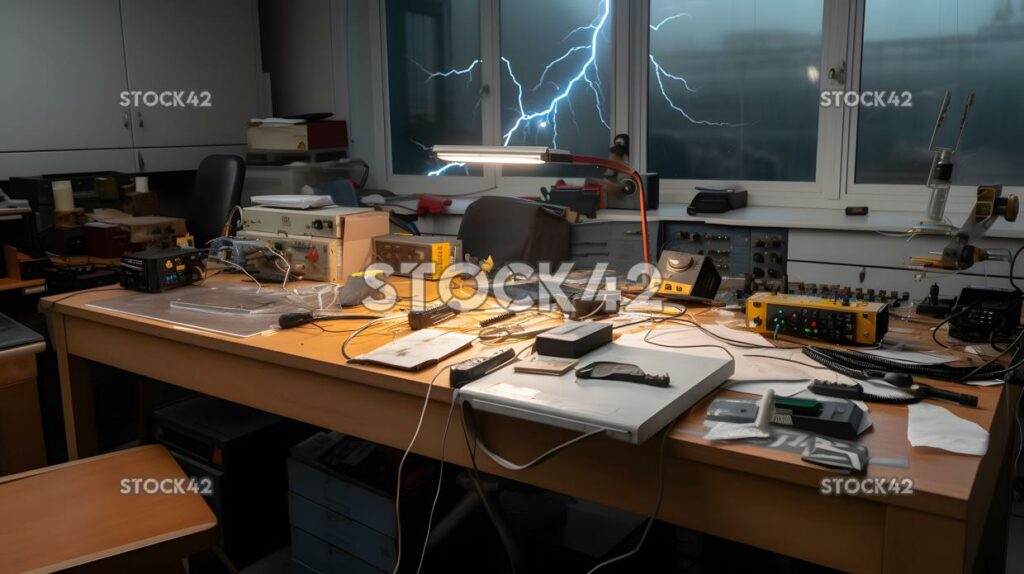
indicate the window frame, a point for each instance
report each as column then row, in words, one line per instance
column 834, row 185
column 407, row 184
column 835, row 28
column 895, row 197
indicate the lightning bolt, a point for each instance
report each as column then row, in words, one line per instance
column 583, row 72
column 453, row 72
column 444, row 168
column 661, row 74
column 658, row 26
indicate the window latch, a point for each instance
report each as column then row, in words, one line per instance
column 838, row 76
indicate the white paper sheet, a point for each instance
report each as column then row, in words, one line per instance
column 916, row 357
column 935, row 426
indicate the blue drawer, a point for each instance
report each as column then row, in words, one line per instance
column 300, row 568
column 342, row 532
column 318, row 556
column 349, row 499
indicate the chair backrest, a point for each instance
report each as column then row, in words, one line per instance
column 509, row 229
column 218, row 188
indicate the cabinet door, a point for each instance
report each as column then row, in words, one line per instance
column 62, row 69
column 207, row 52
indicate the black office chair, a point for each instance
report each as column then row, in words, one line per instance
column 508, row 229
column 217, row 190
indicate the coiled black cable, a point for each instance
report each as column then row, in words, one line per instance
column 854, row 363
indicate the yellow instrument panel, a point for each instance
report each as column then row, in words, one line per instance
column 835, row 320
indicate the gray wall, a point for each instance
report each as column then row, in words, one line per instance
column 304, row 53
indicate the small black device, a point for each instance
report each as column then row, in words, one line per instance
column 625, row 372
column 982, row 313
column 78, row 277
column 472, row 369
column 585, row 199
column 573, row 339
column 920, row 391
column 430, row 317
column 835, row 418
column 157, row 270
column 685, row 275
column 717, row 200
column 587, row 307
column 857, row 210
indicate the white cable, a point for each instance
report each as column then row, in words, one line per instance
column 505, row 463
column 440, row 478
column 657, row 504
column 259, row 286
column 401, row 464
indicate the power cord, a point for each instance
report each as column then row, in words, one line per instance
column 511, row 549
column 401, row 465
column 440, row 480
column 657, row 503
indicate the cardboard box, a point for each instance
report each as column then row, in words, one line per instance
column 324, row 134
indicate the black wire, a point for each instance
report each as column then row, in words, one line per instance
column 1013, row 265
column 935, row 331
column 854, row 363
column 1016, row 342
column 474, row 474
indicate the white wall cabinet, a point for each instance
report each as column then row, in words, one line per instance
column 205, row 51
column 62, row 69
column 65, row 65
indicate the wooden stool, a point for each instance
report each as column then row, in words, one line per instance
column 78, row 516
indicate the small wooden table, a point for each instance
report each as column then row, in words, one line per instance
column 22, row 446
column 955, row 520
column 89, row 515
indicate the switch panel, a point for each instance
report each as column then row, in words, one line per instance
column 757, row 252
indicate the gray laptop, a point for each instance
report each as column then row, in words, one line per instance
column 629, row 412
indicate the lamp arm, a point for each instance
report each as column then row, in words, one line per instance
column 622, row 168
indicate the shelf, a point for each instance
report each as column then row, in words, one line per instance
column 10, row 284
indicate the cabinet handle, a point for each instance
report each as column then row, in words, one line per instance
column 125, row 119
column 139, row 114
column 142, row 161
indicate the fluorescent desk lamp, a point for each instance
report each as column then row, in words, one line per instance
column 532, row 155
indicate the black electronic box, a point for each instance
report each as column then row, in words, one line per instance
column 573, row 339
column 982, row 313
column 713, row 200
column 157, row 270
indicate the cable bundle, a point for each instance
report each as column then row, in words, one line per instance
column 854, row 363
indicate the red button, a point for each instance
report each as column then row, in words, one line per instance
column 313, row 255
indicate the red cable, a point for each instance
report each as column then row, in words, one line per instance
column 622, row 168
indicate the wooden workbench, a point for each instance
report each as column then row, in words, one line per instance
column 955, row 521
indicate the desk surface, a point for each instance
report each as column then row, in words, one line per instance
column 948, row 487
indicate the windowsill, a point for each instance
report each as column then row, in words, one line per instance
column 789, row 217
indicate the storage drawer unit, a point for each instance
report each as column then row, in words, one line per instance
column 311, row 554
column 342, row 532
column 354, row 501
column 341, row 503
column 617, row 243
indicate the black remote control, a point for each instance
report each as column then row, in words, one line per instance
column 472, row 369
column 842, row 390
